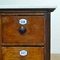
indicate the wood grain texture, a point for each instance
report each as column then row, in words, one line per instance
column 12, row 53
column 34, row 34
column 0, row 38
column 22, row 14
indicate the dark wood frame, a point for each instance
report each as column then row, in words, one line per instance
column 27, row 9
column 31, row 11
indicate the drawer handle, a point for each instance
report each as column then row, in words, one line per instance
column 23, row 53
column 22, row 22
column 22, row 29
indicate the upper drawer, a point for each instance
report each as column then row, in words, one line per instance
column 34, row 33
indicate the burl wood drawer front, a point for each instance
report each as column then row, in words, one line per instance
column 33, row 53
column 34, row 29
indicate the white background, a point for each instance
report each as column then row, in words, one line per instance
column 55, row 16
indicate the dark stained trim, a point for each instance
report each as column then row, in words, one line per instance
column 47, row 36
column 24, row 10
column 22, row 45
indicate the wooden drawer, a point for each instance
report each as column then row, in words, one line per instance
column 33, row 53
column 34, row 30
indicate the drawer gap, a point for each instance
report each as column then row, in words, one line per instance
column 22, row 45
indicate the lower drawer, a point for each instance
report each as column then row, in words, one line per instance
column 23, row 53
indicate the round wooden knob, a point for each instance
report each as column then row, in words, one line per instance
column 22, row 29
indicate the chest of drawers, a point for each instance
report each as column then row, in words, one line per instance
column 25, row 34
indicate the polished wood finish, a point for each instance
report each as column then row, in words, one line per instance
column 36, row 40
column 0, row 39
column 12, row 53
column 35, row 28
